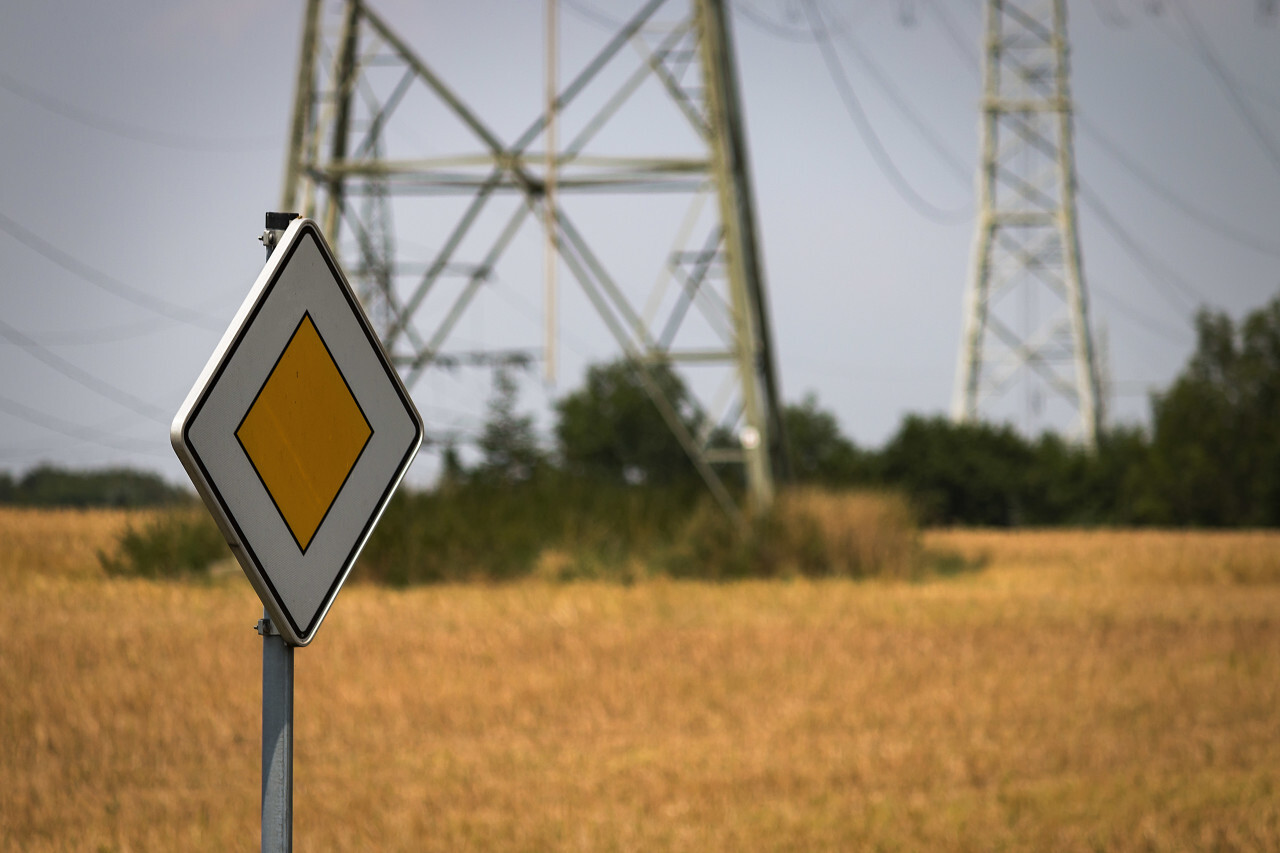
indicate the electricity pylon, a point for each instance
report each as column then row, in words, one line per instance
column 1026, row 313
column 357, row 79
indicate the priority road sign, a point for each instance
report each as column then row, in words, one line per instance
column 297, row 432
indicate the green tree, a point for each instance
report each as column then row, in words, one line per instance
column 508, row 444
column 1120, row 475
column 1215, row 455
column 611, row 429
column 452, row 472
column 1067, row 484
column 48, row 485
column 1056, row 486
column 970, row 473
column 819, row 452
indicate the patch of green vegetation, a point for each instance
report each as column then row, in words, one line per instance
column 937, row 563
column 564, row 528
column 174, row 544
column 48, row 485
column 559, row 526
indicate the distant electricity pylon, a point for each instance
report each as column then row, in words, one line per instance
column 1026, row 318
column 707, row 311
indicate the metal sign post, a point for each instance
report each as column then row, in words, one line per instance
column 277, row 690
column 296, row 435
column 277, row 740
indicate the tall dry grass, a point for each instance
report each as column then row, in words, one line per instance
column 1084, row 691
column 49, row 544
column 849, row 534
column 808, row 532
column 1176, row 557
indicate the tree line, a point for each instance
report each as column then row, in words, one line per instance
column 49, row 485
column 1211, row 456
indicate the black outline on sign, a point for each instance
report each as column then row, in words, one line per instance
column 307, row 229
column 306, row 315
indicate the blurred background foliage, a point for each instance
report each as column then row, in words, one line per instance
column 615, row 496
column 47, row 485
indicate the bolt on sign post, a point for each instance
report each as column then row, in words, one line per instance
column 295, row 435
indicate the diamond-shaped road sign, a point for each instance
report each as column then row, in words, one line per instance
column 297, row 432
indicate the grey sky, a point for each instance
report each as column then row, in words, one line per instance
column 143, row 142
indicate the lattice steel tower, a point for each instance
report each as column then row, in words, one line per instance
column 707, row 310
column 1026, row 318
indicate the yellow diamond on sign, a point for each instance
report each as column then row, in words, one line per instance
column 304, row 432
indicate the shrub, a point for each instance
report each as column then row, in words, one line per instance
column 493, row 531
column 175, row 543
column 848, row 534
column 48, row 485
column 562, row 528
column 809, row 532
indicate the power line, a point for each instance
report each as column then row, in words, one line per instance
column 801, row 34
column 874, row 145
column 1249, row 89
column 593, row 15
column 1158, row 273
column 952, row 31
column 1257, row 93
column 760, row 21
column 898, row 100
column 101, row 280
column 529, row 312
column 1205, row 51
column 81, row 377
column 104, row 429
column 1203, row 217
column 1109, row 12
column 131, row 132
column 76, row 431
column 102, row 334
column 1127, row 240
column 1178, row 336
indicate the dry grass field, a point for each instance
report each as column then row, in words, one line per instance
column 1079, row 691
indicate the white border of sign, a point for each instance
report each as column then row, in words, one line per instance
column 203, row 432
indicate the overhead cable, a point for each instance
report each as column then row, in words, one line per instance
column 78, row 431
column 133, row 133
column 1251, row 90
column 1205, row 51
column 763, row 22
column 1204, row 217
column 952, row 160
column 1109, row 12
column 952, row 31
column 106, row 282
column 874, row 145
column 1158, row 273
column 82, row 377
column 1178, row 336
column 98, row 335
column 593, row 15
